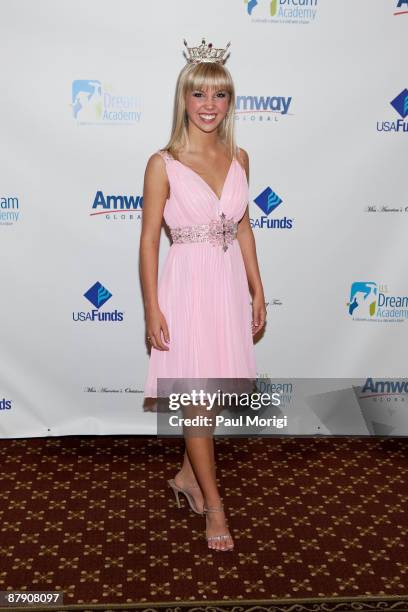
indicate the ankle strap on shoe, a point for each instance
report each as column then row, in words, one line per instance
column 220, row 509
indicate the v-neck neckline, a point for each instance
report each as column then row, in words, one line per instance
column 205, row 182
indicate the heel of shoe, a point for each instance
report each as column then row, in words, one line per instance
column 175, row 491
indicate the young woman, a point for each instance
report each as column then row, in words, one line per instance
column 199, row 317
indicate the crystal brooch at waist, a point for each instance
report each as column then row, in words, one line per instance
column 219, row 232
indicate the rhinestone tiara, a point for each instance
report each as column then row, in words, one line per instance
column 205, row 53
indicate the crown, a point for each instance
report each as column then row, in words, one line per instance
column 205, row 53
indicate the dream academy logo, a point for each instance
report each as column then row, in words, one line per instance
column 117, row 207
column 363, row 299
column 98, row 295
column 370, row 301
column 268, row 201
column 281, row 11
column 93, row 102
column 9, row 210
column 400, row 105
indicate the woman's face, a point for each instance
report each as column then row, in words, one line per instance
column 206, row 108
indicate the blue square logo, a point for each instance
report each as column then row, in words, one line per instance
column 400, row 103
column 268, row 200
column 98, row 295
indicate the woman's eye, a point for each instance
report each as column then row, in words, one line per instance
column 199, row 94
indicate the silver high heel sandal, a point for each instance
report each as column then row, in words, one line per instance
column 218, row 538
column 177, row 490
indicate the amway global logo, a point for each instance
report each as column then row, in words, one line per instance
column 98, row 295
column 268, row 201
column 385, row 388
column 401, row 7
column 117, row 207
column 9, row 210
column 282, row 11
column 370, row 301
column 95, row 103
column 400, row 104
column 262, row 108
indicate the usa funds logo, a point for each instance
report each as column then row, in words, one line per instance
column 98, row 295
column 268, row 201
column 5, row 404
column 281, row 11
column 400, row 104
column 370, row 301
column 93, row 103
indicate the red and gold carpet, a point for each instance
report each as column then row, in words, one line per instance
column 318, row 524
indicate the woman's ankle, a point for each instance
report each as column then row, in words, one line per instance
column 214, row 503
column 187, row 476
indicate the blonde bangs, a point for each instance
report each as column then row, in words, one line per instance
column 210, row 75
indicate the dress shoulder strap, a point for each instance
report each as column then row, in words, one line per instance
column 238, row 155
column 165, row 154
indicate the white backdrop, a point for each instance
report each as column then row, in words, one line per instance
column 87, row 94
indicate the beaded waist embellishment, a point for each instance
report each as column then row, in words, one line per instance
column 219, row 232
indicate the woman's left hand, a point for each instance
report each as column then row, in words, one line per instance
column 258, row 313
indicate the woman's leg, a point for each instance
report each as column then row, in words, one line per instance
column 186, row 479
column 201, row 457
column 201, row 453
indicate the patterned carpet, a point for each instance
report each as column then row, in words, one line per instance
column 316, row 521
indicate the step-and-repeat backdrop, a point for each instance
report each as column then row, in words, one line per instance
column 87, row 96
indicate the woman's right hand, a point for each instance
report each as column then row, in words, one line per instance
column 156, row 325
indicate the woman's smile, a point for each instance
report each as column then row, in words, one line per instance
column 207, row 117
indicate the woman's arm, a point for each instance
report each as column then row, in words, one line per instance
column 246, row 241
column 155, row 193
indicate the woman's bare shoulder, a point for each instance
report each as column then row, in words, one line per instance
column 156, row 172
column 156, row 163
column 156, row 184
column 156, row 156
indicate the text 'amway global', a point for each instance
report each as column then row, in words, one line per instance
column 103, row 204
column 275, row 104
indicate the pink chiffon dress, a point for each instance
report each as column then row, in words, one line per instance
column 203, row 288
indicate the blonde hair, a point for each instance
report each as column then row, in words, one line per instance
column 200, row 76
